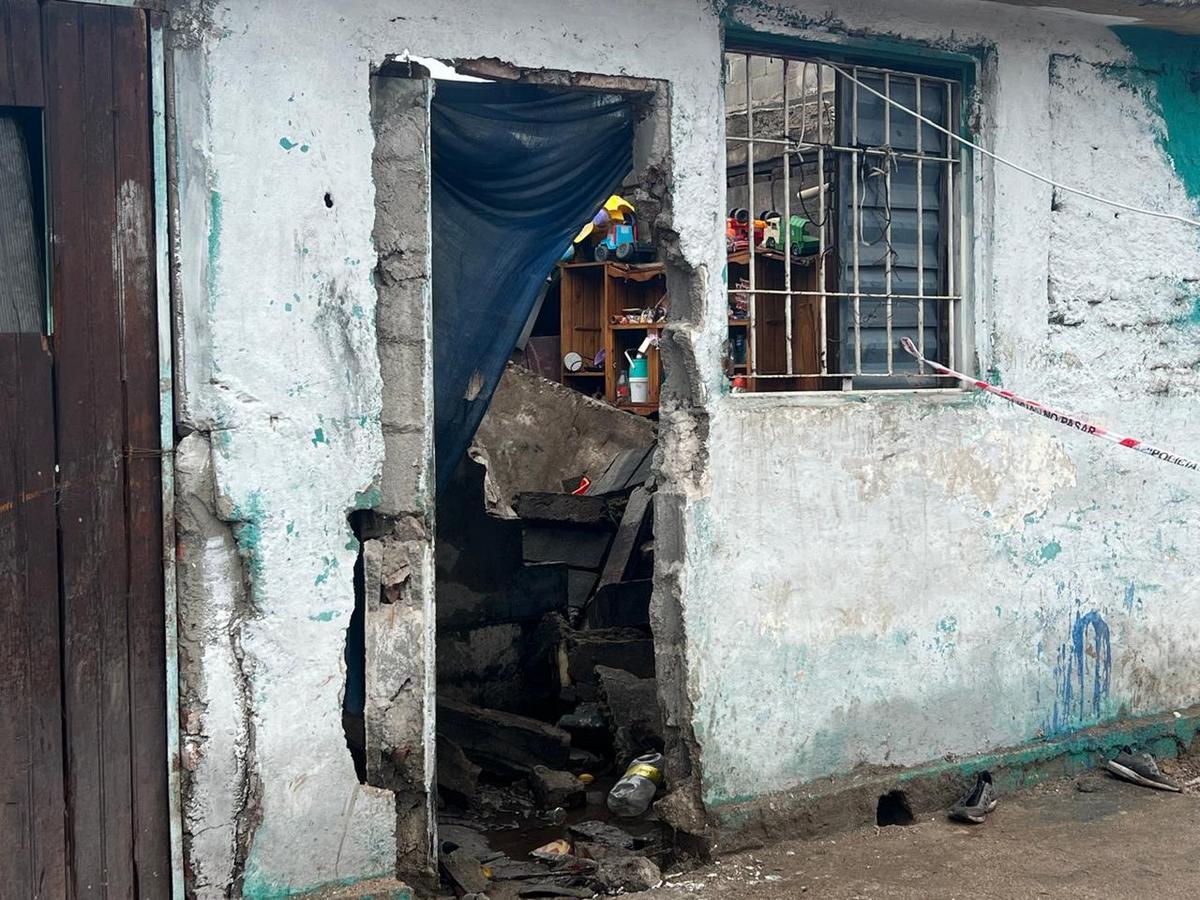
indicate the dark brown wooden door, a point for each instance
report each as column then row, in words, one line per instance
column 83, row 756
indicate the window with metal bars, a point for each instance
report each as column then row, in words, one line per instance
column 845, row 229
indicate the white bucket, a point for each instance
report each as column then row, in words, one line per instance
column 639, row 390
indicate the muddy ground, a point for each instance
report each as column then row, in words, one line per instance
column 1110, row 840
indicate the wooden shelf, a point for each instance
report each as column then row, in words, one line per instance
column 592, row 294
column 770, row 354
column 742, row 257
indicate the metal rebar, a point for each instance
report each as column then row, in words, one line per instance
column 920, row 232
column 824, row 300
column 950, row 244
column 856, row 217
column 887, row 190
column 750, row 225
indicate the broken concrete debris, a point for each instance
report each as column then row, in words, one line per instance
column 603, row 834
column 463, row 870
column 631, row 708
column 546, row 687
column 503, row 742
column 613, row 648
column 627, row 874
column 455, row 772
column 620, row 605
column 556, row 789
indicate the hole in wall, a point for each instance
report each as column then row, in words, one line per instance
column 893, row 809
column 328, row 200
column 354, row 692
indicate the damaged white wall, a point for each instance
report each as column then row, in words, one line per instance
column 955, row 571
column 864, row 579
column 279, row 356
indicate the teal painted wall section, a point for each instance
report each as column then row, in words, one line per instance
column 1171, row 64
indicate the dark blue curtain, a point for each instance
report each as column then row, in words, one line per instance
column 517, row 169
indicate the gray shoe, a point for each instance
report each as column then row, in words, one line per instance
column 1140, row 768
column 976, row 805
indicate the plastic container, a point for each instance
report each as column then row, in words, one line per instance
column 633, row 794
column 639, row 379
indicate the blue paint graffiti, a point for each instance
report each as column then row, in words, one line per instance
column 1129, row 598
column 1072, row 704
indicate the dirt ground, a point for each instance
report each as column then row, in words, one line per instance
column 1095, row 837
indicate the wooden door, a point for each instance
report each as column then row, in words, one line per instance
column 83, row 762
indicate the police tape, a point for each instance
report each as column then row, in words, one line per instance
column 1053, row 415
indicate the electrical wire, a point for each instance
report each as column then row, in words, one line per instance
column 1017, row 166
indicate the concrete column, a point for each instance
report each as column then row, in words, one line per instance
column 398, row 565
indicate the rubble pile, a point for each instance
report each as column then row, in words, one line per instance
column 546, row 689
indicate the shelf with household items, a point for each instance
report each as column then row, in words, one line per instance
column 612, row 314
column 763, row 350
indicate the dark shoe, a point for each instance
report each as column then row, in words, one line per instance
column 1140, row 768
column 977, row 804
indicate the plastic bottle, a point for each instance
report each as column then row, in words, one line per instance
column 631, row 796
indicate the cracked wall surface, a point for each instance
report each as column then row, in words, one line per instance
column 894, row 558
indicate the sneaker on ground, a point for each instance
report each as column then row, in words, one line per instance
column 1140, row 768
column 976, row 805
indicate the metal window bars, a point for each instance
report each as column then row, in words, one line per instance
column 887, row 193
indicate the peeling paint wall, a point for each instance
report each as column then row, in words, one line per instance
column 844, row 579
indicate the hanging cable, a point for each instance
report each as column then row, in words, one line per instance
column 1012, row 165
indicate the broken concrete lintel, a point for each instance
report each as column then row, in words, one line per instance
column 495, row 69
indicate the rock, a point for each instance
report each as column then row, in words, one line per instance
column 456, row 773
column 588, row 728
column 634, row 716
column 503, row 742
column 600, row 833
column 627, row 874
column 464, row 870
column 584, row 761
column 593, row 850
column 587, row 717
column 554, row 789
column 549, row 889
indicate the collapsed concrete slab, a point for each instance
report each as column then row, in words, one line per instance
column 503, row 742
column 617, row 648
column 539, row 434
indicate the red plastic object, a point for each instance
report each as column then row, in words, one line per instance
column 584, row 484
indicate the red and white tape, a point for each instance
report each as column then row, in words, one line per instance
column 1053, row 415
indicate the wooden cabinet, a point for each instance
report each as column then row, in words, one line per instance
column 595, row 296
column 766, row 351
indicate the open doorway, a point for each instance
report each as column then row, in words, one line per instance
column 521, row 301
column 544, row 548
